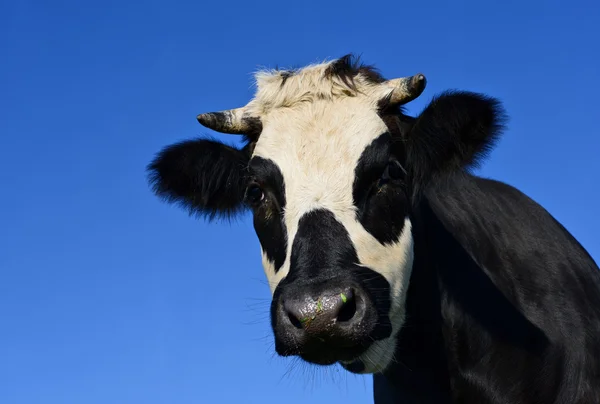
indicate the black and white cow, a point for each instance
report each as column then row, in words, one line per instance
column 384, row 253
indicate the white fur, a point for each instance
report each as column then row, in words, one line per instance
column 315, row 130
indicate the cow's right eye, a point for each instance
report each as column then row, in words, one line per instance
column 254, row 194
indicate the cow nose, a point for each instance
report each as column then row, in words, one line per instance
column 333, row 313
column 324, row 322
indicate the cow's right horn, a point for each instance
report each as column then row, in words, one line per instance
column 232, row 121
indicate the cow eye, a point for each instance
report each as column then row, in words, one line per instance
column 393, row 171
column 254, row 194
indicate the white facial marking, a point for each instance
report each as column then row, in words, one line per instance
column 395, row 263
column 315, row 133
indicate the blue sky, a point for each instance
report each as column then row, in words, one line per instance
column 109, row 296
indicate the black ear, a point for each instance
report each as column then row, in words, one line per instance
column 204, row 176
column 455, row 131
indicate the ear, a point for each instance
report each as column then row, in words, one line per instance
column 454, row 132
column 204, row 176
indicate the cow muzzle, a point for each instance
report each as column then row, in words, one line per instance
column 325, row 323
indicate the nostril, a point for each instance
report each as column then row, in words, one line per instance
column 294, row 320
column 347, row 312
column 293, row 311
column 348, row 309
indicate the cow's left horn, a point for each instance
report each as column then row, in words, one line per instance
column 233, row 121
column 406, row 89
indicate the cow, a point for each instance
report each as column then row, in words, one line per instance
column 384, row 251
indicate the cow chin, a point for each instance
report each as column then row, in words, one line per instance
column 375, row 359
column 364, row 355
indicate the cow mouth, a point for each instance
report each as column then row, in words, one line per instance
column 330, row 349
column 324, row 352
column 329, row 354
column 356, row 366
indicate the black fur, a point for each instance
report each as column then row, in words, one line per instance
column 455, row 131
column 203, row 176
column 254, row 127
column 381, row 201
column 285, row 75
column 268, row 220
column 321, row 248
column 348, row 67
column 370, row 168
column 503, row 304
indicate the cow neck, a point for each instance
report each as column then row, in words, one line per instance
column 420, row 372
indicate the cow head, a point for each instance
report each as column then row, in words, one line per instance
column 330, row 170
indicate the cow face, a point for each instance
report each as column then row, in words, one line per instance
column 330, row 210
column 323, row 172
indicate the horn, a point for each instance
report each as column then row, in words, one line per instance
column 232, row 121
column 406, row 89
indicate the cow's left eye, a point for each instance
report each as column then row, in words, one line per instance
column 394, row 171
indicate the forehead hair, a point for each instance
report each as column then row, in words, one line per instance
column 327, row 81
